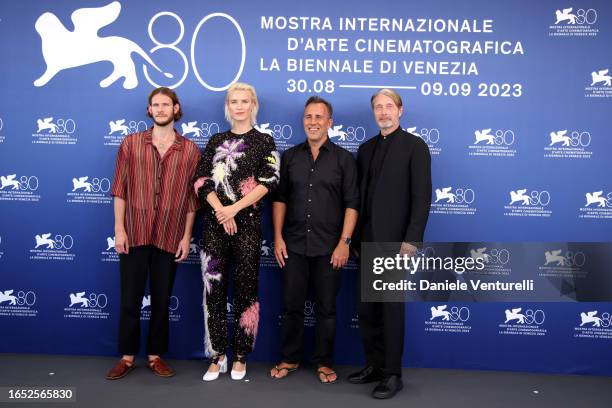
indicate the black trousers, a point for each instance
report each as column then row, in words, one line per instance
column 159, row 266
column 381, row 325
column 219, row 250
column 382, row 329
column 298, row 273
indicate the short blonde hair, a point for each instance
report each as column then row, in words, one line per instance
column 391, row 94
column 241, row 86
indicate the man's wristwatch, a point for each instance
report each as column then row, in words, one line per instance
column 347, row 240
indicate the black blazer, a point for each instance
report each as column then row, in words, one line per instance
column 400, row 206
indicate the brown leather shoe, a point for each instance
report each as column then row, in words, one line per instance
column 160, row 368
column 120, row 370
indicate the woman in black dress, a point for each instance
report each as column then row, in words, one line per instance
column 237, row 169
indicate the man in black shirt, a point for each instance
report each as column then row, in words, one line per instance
column 314, row 215
column 395, row 186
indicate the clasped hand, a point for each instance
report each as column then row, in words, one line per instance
column 225, row 216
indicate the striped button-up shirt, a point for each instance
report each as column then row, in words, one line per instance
column 157, row 191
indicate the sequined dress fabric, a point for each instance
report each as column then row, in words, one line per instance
column 232, row 165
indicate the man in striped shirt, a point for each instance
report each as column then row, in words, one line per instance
column 154, row 212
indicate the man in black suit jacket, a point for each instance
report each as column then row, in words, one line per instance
column 395, row 185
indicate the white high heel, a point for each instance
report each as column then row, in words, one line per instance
column 213, row 375
column 239, row 375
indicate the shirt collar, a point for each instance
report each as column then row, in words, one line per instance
column 178, row 138
column 325, row 146
column 390, row 135
column 328, row 144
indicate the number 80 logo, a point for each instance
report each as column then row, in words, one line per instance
column 461, row 314
column 26, row 298
column 63, row 242
column 159, row 45
column 28, row 183
column 588, row 16
column 535, row 316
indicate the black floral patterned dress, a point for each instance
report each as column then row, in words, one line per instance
column 233, row 165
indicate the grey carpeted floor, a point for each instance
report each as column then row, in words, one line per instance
column 422, row 387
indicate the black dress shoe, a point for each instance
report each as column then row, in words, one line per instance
column 367, row 375
column 388, row 387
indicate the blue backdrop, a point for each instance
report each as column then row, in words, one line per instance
column 512, row 99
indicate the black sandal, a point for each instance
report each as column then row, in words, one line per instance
column 280, row 369
column 327, row 375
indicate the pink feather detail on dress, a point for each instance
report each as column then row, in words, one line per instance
column 249, row 320
column 247, row 185
column 199, row 183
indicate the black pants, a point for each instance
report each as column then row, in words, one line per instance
column 382, row 329
column 298, row 272
column 381, row 325
column 219, row 250
column 159, row 266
